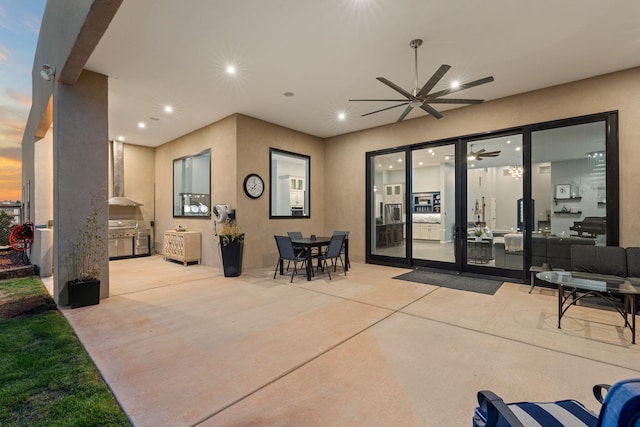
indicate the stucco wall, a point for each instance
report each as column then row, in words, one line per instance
column 239, row 146
column 255, row 137
column 345, row 154
column 220, row 137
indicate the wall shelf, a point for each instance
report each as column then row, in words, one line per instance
column 567, row 213
column 568, row 199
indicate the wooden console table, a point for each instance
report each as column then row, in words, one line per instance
column 183, row 246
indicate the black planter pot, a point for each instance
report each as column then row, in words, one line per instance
column 232, row 256
column 83, row 292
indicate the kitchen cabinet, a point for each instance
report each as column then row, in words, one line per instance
column 291, row 196
column 183, row 246
column 427, row 231
column 428, row 202
column 296, row 183
column 394, row 193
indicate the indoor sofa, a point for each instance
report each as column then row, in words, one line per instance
column 607, row 262
column 553, row 250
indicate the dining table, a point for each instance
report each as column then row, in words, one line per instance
column 308, row 243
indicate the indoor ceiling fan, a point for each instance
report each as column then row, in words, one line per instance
column 421, row 98
column 482, row 153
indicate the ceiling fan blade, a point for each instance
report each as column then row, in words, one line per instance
column 404, row 113
column 435, row 78
column 490, row 154
column 385, row 109
column 380, row 100
column 429, row 109
column 454, row 101
column 395, row 87
column 462, row 87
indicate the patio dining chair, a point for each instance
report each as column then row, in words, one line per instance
column 332, row 253
column 299, row 250
column 342, row 250
column 620, row 408
column 288, row 253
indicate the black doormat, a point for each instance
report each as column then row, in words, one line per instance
column 453, row 281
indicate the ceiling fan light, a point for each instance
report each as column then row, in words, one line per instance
column 416, row 103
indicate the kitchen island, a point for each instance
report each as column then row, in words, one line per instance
column 389, row 234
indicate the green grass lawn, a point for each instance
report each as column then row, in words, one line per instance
column 46, row 376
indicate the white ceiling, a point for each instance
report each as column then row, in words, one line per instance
column 159, row 52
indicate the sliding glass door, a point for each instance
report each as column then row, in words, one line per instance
column 496, row 204
column 495, row 216
column 569, row 186
column 433, row 203
column 387, row 205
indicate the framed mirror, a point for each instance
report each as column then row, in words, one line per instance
column 289, row 179
column 192, row 185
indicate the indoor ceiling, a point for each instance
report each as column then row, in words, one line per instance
column 163, row 52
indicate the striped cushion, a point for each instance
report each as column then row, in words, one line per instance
column 554, row 414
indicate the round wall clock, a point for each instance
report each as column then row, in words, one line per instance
column 253, row 185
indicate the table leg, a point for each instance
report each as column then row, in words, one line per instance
column 533, row 276
column 560, row 295
column 309, row 264
column 634, row 309
column 346, row 255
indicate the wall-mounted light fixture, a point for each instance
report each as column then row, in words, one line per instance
column 47, row 72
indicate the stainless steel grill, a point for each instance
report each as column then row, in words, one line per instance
column 121, row 236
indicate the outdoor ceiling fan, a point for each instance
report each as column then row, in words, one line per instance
column 482, row 153
column 421, row 98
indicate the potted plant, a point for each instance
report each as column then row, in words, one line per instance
column 86, row 257
column 231, row 245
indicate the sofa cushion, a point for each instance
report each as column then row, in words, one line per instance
column 633, row 262
column 539, row 250
column 599, row 259
column 559, row 250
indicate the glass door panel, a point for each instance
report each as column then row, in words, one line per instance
column 433, row 206
column 569, row 185
column 388, row 210
column 495, row 209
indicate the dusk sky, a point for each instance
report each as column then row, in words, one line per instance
column 19, row 27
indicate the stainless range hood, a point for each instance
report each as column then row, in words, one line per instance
column 118, row 198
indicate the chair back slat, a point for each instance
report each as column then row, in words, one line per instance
column 294, row 234
column 335, row 245
column 285, row 247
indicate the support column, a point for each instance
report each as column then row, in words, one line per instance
column 80, row 171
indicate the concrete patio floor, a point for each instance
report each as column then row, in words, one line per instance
column 185, row 346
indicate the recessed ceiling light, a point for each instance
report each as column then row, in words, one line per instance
column 288, row 94
column 430, row 150
column 231, row 69
column 446, row 157
column 390, row 166
column 420, row 163
column 121, row 138
column 379, row 166
column 473, row 165
column 141, row 125
column 455, row 84
column 399, row 160
column 342, row 116
column 509, row 142
column 168, row 109
column 517, row 148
